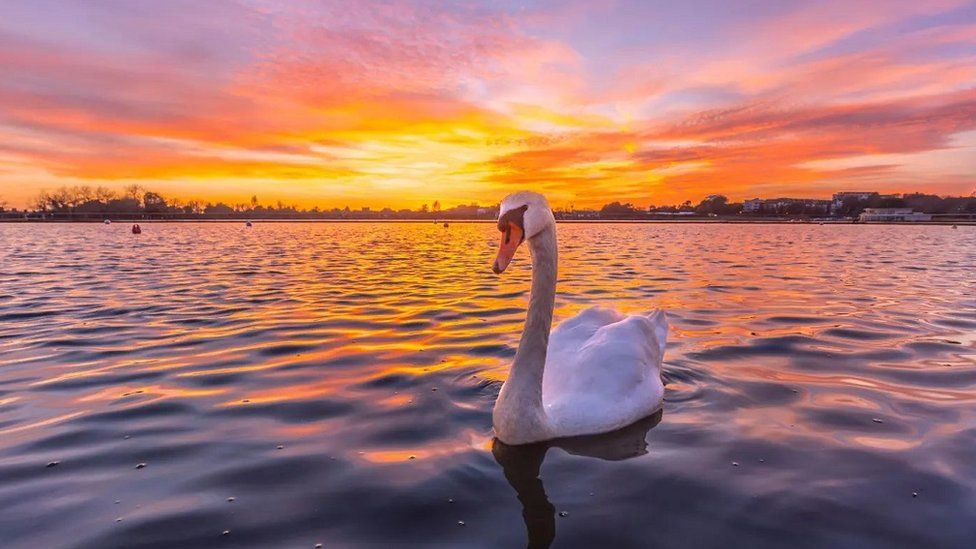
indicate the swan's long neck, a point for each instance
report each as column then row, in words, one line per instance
column 530, row 359
column 520, row 404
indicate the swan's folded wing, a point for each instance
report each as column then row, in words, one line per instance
column 611, row 380
column 573, row 332
column 569, row 337
column 658, row 323
column 601, row 349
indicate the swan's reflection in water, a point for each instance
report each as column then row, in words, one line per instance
column 521, row 465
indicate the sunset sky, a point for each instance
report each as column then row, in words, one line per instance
column 404, row 102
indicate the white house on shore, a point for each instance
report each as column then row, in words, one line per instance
column 892, row 214
column 839, row 198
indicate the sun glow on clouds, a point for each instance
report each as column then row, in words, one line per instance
column 404, row 102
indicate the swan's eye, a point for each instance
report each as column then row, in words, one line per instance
column 516, row 216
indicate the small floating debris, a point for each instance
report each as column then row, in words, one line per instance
column 450, row 500
column 877, row 420
column 412, row 457
column 564, row 513
column 127, row 437
column 225, row 533
column 248, row 224
column 118, row 519
column 460, row 523
column 735, row 464
column 280, row 447
column 136, row 229
column 318, row 546
column 246, row 400
column 761, row 460
column 118, row 501
column 445, row 224
column 914, row 494
column 107, row 222
column 230, row 500
column 53, row 464
column 433, row 388
column 141, row 466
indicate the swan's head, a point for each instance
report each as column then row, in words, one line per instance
column 522, row 216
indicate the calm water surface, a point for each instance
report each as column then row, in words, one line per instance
column 336, row 381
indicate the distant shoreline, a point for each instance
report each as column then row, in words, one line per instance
column 762, row 221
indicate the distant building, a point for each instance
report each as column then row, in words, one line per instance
column 578, row 214
column 752, row 206
column 838, row 199
column 892, row 214
column 860, row 195
column 778, row 206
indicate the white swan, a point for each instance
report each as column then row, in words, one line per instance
column 597, row 372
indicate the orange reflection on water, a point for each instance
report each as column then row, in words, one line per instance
column 392, row 339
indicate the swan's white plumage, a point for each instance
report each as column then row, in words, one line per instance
column 603, row 371
column 596, row 372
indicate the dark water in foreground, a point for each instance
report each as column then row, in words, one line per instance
column 336, row 381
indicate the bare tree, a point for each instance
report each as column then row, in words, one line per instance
column 104, row 194
column 153, row 202
column 82, row 194
column 135, row 192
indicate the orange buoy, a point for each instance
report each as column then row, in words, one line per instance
column 136, row 229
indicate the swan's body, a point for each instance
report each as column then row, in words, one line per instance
column 603, row 371
column 595, row 373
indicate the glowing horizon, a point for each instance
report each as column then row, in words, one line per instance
column 406, row 102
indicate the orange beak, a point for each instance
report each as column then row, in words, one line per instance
column 511, row 238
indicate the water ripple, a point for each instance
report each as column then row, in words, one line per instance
column 303, row 383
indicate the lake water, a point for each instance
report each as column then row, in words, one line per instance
column 336, row 380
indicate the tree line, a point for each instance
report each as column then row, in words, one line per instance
column 83, row 202
column 135, row 202
column 719, row 205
